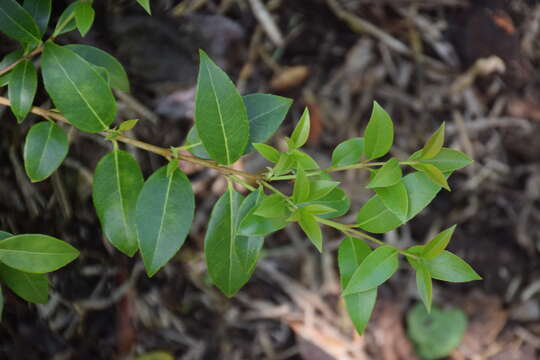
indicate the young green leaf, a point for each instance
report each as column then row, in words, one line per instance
column 77, row 89
column 311, row 228
column 284, row 164
column 164, row 213
column 8, row 60
column 265, row 114
column 320, row 188
column 423, row 283
column 30, row 287
column 84, row 17
column 45, row 148
column 395, row 199
column 146, row 5
column 348, row 152
column 40, row 10
column 446, row 160
column 335, row 199
column 117, row 183
column 451, row 268
column 379, row 134
column 22, row 89
column 301, row 187
column 300, row 133
column 389, row 174
column 434, row 174
column 434, row 144
column 268, row 152
column 303, row 160
column 17, row 23
column 66, row 21
column 36, row 253
column 359, row 305
column 273, row 206
column 436, row 245
column 115, row 71
column 255, row 225
column 376, row 268
column 128, row 125
column 220, row 114
column 195, row 144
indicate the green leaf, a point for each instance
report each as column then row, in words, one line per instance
column 451, row 268
column 36, row 253
column 84, row 17
column 434, row 174
column 335, row 199
column 255, row 225
column 117, row 75
column 77, row 89
column 220, row 114
column 128, row 124
column 17, row 23
column 436, row 245
column 225, row 267
column 389, row 174
column 423, row 283
column 311, row 228
column 66, row 22
column 395, row 199
column 303, row 160
column 30, row 287
column 348, row 152
column 437, row 334
column 376, row 268
column 351, row 254
column 8, row 60
column 268, row 152
column 22, row 89
column 375, row 217
column 273, row 206
column 1, row 303
column 284, row 164
column 45, row 148
column 40, row 10
column 117, row 183
column 195, row 144
column 446, row 160
column 301, row 187
column 265, row 114
column 434, row 144
column 4, row 235
column 379, row 134
column 164, row 213
column 320, row 188
column 146, row 5
column 300, row 133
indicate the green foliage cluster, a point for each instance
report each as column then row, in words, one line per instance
column 153, row 216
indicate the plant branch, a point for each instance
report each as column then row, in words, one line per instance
column 36, row 51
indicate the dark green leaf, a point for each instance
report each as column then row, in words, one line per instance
column 436, row 245
column 268, row 152
column 77, row 89
column 8, row 60
column 451, row 268
column 115, row 70
column 84, row 17
column 265, row 114
column 220, row 114
column 30, row 287
column 320, row 188
column 446, row 160
column 22, row 89
column 1, row 303
column 36, row 253
column 376, row 268
column 117, row 183
column 301, row 187
column 163, row 215
column 255, row 225
column 423, row 283
column 195, row 144
column 379, row 134
column 45, row 148
column 348, row 152
column 311, row 228
column 4, row 235
column 395, row 199
column 17, row 23
column 66, row 22
column 40, row 10
column 351, row 254
column 434, row 144
column 335, row 199
column 389, row 174
column 146, row 5
column 300, row 133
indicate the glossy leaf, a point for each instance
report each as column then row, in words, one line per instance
column 320, row 188
column 335, row 199
column 84, row 17
column 389, row 174
column 164, row 213
column 434, row 174
column 30, row 287
column 36, row 253
column 451, row 268
column 9, row 59
column 311, row 228
column 268, row 152
column 434, row 144
column 17, row 23
column 348, row 152
column 146, row 5
column 446, row 160
column 77, row 89
column 22, row 89
column 40, row 10
column 116, row 186
column 45, row 148
column 300, row 133
column 301, row 187
column 273, row 206
column 303, row 160
column 117, row 75
column 423, row 284
column 376, row 268
column 220, row 114
column 379, row 134
column 395, row 199
column 66, row 21
column 265, row 113
column 436, row 245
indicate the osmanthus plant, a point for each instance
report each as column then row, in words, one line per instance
column 153, row 216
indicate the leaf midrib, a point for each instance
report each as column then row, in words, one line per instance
column 163, row 212
column 121, row 200
column 19, row 26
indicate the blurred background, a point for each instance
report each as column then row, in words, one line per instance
column 471, row 64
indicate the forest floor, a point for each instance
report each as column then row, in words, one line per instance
column 426, row 61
